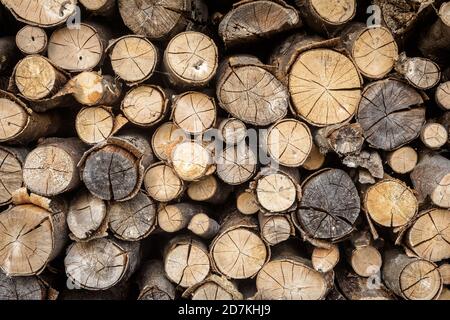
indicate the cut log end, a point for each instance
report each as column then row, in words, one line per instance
column 366, row 261
column 247, row 203
column 443, row 95
column 194, row 112
column 276, row 192
column 162, row 183
column 232, row 131
column 94, row 124
column 325, row 259
column 11, row 175
column 165, row 138
column 191, row 161
column 31, row 40
column 434, row 135
column 403, row 160
column 236, row 164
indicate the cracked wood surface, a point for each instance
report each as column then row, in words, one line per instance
column 162, row 183
column 94, row 124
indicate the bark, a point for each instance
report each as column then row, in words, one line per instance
column 369, row 160
column 32, row 40
column 343, row 139
column 153, row 284
column 21, row 288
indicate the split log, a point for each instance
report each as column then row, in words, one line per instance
column 165, row 138
column 203, row 226
column 214, row 288
column 265, row 98
column 363, row 256
column 236, row 164
column 102, row 263
column 145, row 105
column 442, row 95
column 34, row 233
column 51, row 168
column 191, row 161
column 429, row 235
column 11, row 172
column 391, row 114
column 78, row 49
column 21, row 288
column 402, row 160
column 7, row 53
column 247, row 203
column 275, row 228
column 210, row 190
column 238, row 252
column 133, row 58
column 250, row 21
column 329, row 207
column 153, row 284
column 162, row 183
column 369, row 160
column 390, row 203
column 434, row 135
column 32, row 40
column 320, row 95
column 419, row 72
column 186, row 261
column 175, row 217
column 325, row 259
column 431, row 178
column 232, row 131
column 315, row 160
column 191, row 60
column 194, row 112
column 134, row 219
column 344, row 139
column 100, row 7
column 20, row 124
column 411, row 278
column 87, row 217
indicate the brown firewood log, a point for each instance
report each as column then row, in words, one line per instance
column 32, row 40
column 213, row 288
column 153, row 284
column 11, row 171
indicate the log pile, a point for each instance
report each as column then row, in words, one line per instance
column 200, row 149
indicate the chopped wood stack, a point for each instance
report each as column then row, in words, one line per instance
column 205, row 150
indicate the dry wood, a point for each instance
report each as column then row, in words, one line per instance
column 265, row 98
column 203, row 226
column 442, row 95
column 444, row 270
column 402, row 160
column 21, row 288
column 186, row 261
column 7, row 53
column 175, row 217
column 102, row 263
column 315, row 160
column 32, row 40
column 100, row 7
column 162, row 183
column 94, row 124
column 325, row 259
column 411, row 278
column 445, row 295
column 325, row 87
column 363, row 256
column 191, row 161
column 11, row 172
column 391, row 114
column 236, row 164
column 232, row 131
column 434, row 135
column 247, row 203
column 209, row 189
column 165, row 138
column 153, row 284
column 214, row 288
column 369, row 160
column 344, row 139
column 420, row 72
column 275, row 228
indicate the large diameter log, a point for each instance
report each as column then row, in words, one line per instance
column 390, row 203
column 431, row 178
column 210, row 190
column 275, row 228
column 102, row 263
column 265, row 98
column 429, row 235
column 51, row 168
column 236, row 164
column 11, row 171
column 32, row 40
column 191, row 59
column 329, row 207
column 251, row 21
column 391, row 114
column 186, row 261
column 214, row 288
column 153, row 284
column 411, row 278
column 21, row 288
column 7, row 53
column 78, row 49
column 402, row 160
column 34, row 232
column 320, row 96
column 175, row 217
column 162, row 183
column 22, row 125
column 41, row 12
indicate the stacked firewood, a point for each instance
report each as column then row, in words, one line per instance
column 214, row 149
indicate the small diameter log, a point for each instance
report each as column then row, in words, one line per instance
column 444, row 270
column 289, row 142
column 232, row 131
column 247, row 203
column 445, row 295
column 251, row 21
column 275, row 228
column 145, row 105
column 21, row 288
column 21, row 125
column 344, row 139
column 213, row 288
column 434, row 135
column 78, row 49
column 429, row 235
column 8, row 53
column 442, row 95
column 329, row 207
column 51, row 168
column 95, row 124
column 93, row 89
column 369, row 160
column 320, row 96
column 210, row 190
column 191, row 161
column 32, row 40
column 236, row 164
column 162, row 183
column 102, row 263
column 325, row 259
column 265, row 98
column 390, row 203
column 431, row 178
column 203, row 226
column 33, row 233
column 411, row 278
column 165, row 138
column 363, row 257
column 315, row 160
column 402, row 160
column 175, row 217
column 194, row 112
column 153, row 284
column 133, row 58
column 134, row 219
column 238, row 252
column 419, row 72
column 11, row 172
column 87, row 217
column 326, row 16
column 100, row 7
column 391, row 114
column 186, row 261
